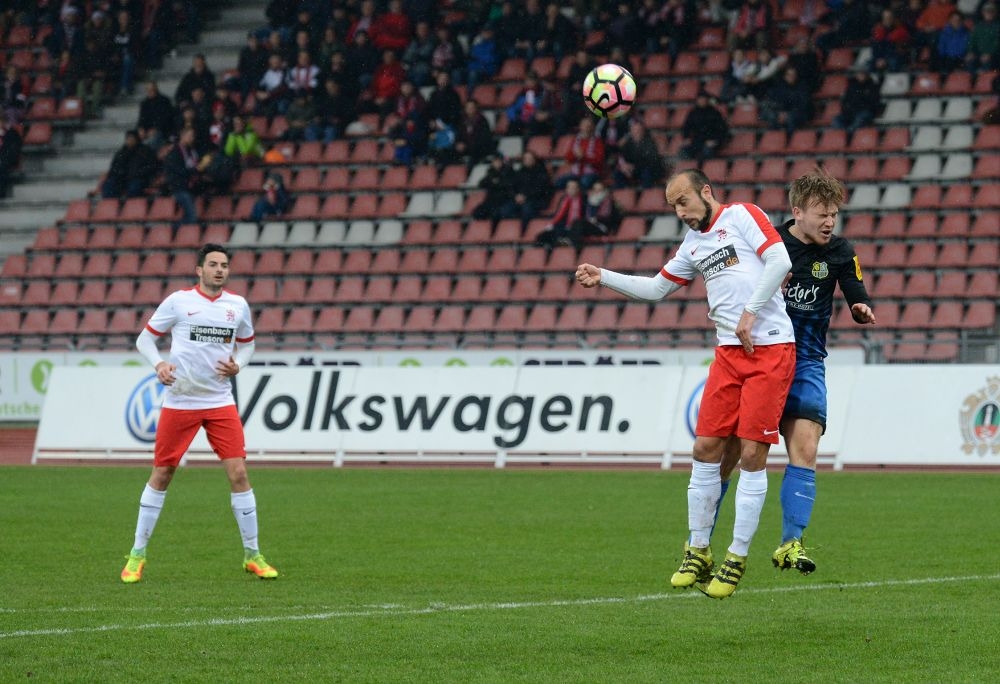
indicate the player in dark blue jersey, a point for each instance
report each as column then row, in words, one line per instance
column 820, row 262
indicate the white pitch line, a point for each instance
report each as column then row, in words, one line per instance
column 471, row 607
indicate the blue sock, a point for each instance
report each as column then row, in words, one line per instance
column 798, row 494
column 718, row 506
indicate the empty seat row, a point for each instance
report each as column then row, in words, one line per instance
column 922, row 224
column 929, row 254
column 930, row 285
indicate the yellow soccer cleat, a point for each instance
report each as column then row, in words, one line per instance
column 260, row 567
column 132, row 572
column 792, row 554
column 696, row 567
column 729, row 575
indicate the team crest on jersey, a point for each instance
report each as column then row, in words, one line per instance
column 230, row 315
column 723, row 235
column 820, row 270
column 980, row 420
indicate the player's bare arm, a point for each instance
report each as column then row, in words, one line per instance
column 588, row 275
column 863, row 314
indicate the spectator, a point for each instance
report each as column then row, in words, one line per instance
column 101, row 31
column 409, row 137
column 499, row 186
column 558, row 37
column 132, row 169
column 91, row 77
column 624, row 30
column 851, row 25
column 475, row 139
column 584, row 157
column 484, row 57
column 441, row 143
column 156, row 116
column 274, row 201
column 530, row 113
column 931, row 20
column 705, row 131
column 252, row 64
column 984, row 42
column 339, row 71
column 409, row 104
column 581, row 65
column 806, row 62
column 124, row 55
column 444, row 102
column 328, row 45
column 568, row 211
column 300, row 115
column 67, row 36
column 508, row 27
column 306, row 32
column 787, row 104
column 448, row 55
column 364, row 22
column 735, row 86
column 392, row 29
column 180, row 169
column 10, row 154
column 272, row 90
column 189, row 118
column 769, row 66
column 362, row 59
column 197, row 76
column 952, row 45
column 243, row 143
column 418, row 55
column 13, row 95
column 751, row 27
column 532, row 190
column 333, row 113
column 860, row 103
column 890, row 43
column 218, row 129
column 669, row 26
column 640, row 162
column 386, row 84
column 217, row 171
column 303, row 78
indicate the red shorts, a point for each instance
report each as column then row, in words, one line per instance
column 176, row 429
column 745, row 394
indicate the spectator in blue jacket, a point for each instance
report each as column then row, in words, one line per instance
column 484, row 57
column 952, row 45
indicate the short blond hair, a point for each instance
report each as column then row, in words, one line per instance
column 816, row 187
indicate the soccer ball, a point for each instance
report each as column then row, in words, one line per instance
column 609, row 91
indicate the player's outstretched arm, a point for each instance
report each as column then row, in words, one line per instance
column 588, row 275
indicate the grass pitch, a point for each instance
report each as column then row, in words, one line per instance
column 490, row 576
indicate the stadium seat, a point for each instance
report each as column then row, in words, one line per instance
column 334, row 207
column 417, row 261
column 64, row 322
column 330, row 319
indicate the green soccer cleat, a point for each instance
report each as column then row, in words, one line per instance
column 260, row 567
column 132, row 572
column 729, row 575
column 696, row 567
column 792, row 554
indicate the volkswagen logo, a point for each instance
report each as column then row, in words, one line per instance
column 143, row 408
column 694, row 403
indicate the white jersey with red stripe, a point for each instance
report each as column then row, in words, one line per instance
column 204, row 332
column 727, row 255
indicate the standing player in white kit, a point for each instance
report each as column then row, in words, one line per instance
column 212, row 338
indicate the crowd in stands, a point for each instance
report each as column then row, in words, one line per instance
column 327, row 68
column 91, row 50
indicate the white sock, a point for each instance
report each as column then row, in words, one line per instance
column 150, row 505
column 245, row 510
column 750, row 494
column 703, row 497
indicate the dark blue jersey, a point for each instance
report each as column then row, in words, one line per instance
column 816, row 270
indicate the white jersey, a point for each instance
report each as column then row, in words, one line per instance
column 204, row 332
column 727, row 255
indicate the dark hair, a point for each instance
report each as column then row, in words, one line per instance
column 212, row 247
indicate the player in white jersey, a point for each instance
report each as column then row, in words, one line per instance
column 743, row 261
column 211, row 339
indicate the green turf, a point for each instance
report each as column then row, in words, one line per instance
column 490, row 576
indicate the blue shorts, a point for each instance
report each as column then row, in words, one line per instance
column 807, row 398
